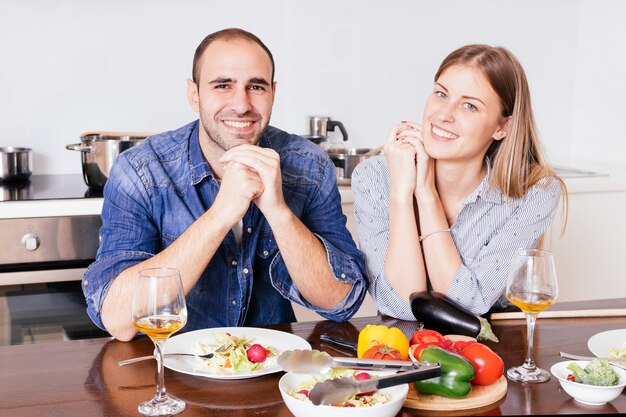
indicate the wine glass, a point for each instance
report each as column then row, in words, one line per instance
column 159, row 310
column 532, row 287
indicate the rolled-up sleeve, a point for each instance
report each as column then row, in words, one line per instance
column 480, row 282
column 127, row 235
column 99, row 276
column 327, row 222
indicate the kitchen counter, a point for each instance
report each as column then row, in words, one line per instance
column 50, row 208
column 585, row 177
column 49, row 196
column 579, row 176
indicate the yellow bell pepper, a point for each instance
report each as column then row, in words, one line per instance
column 373, row 335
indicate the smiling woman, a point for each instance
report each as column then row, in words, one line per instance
column 453, row 197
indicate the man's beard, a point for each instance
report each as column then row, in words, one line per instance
column 214, row 135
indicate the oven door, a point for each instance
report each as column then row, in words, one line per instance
column 42, row 261
column 45, row 312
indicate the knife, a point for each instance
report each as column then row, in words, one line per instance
column 314, row 361
column 338, row 390
column 344, row 343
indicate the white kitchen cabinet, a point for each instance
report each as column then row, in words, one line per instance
column 368, row 308
column 347, row 207
column 590, row 256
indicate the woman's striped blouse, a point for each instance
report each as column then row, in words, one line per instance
column 488, row 230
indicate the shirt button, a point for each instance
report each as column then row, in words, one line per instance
column 234, row 263
column 343, row 275
column 265, row 253
column 234, row 302
column 245, row 270
column 249, row 229
column 85, row 283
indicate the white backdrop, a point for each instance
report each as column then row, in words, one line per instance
column 71, row 66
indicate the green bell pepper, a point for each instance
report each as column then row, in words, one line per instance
column 456, row 373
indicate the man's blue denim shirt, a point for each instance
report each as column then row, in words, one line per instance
column 156, row 190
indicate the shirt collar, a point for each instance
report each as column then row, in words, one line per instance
column 483, row 191
column 198, row 165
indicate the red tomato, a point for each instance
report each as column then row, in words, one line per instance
column 489, row 366
column 460, row 345
column 426, row 336
column 382, row 352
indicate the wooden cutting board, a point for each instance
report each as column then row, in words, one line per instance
column 480, row 396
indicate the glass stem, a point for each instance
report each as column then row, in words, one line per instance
column 161, row 394
column 529, row 364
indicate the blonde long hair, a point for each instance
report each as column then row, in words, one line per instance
column 518, row 160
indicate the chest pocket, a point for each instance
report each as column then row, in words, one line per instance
column 266, row 247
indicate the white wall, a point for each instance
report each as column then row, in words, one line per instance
column 71, row 66
column 600, row 99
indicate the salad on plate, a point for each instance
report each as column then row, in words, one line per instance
column 234, row 354
column 618, row 352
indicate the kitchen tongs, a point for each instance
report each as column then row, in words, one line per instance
column 338, row 390
column 315, row 361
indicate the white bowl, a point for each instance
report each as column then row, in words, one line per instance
column 299, row 408
column 588, row 394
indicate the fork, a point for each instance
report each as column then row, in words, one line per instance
column 588, row 358
column 619, row 362
column 145, row 358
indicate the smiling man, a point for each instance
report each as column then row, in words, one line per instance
column 250, row 215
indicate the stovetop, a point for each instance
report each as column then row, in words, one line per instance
column 48, row 187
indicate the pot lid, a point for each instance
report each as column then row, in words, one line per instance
column 352, row 151
column 115, row 135
column 13, row 149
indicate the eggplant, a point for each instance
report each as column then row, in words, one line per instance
column 438, row 312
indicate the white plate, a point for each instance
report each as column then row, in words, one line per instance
column 185, row 342
column 600, row 343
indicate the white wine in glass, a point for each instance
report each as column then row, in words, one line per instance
column 159, row 310
column 532, row 287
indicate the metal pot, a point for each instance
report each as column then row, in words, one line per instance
column 346, row 159
column 99, row 150
column 15, row 190
column 15, row 164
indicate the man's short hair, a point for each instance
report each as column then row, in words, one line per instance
column 226, row 34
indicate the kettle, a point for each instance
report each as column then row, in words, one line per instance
column 319, row 126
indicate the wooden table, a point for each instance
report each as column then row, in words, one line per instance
column 81, row 378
